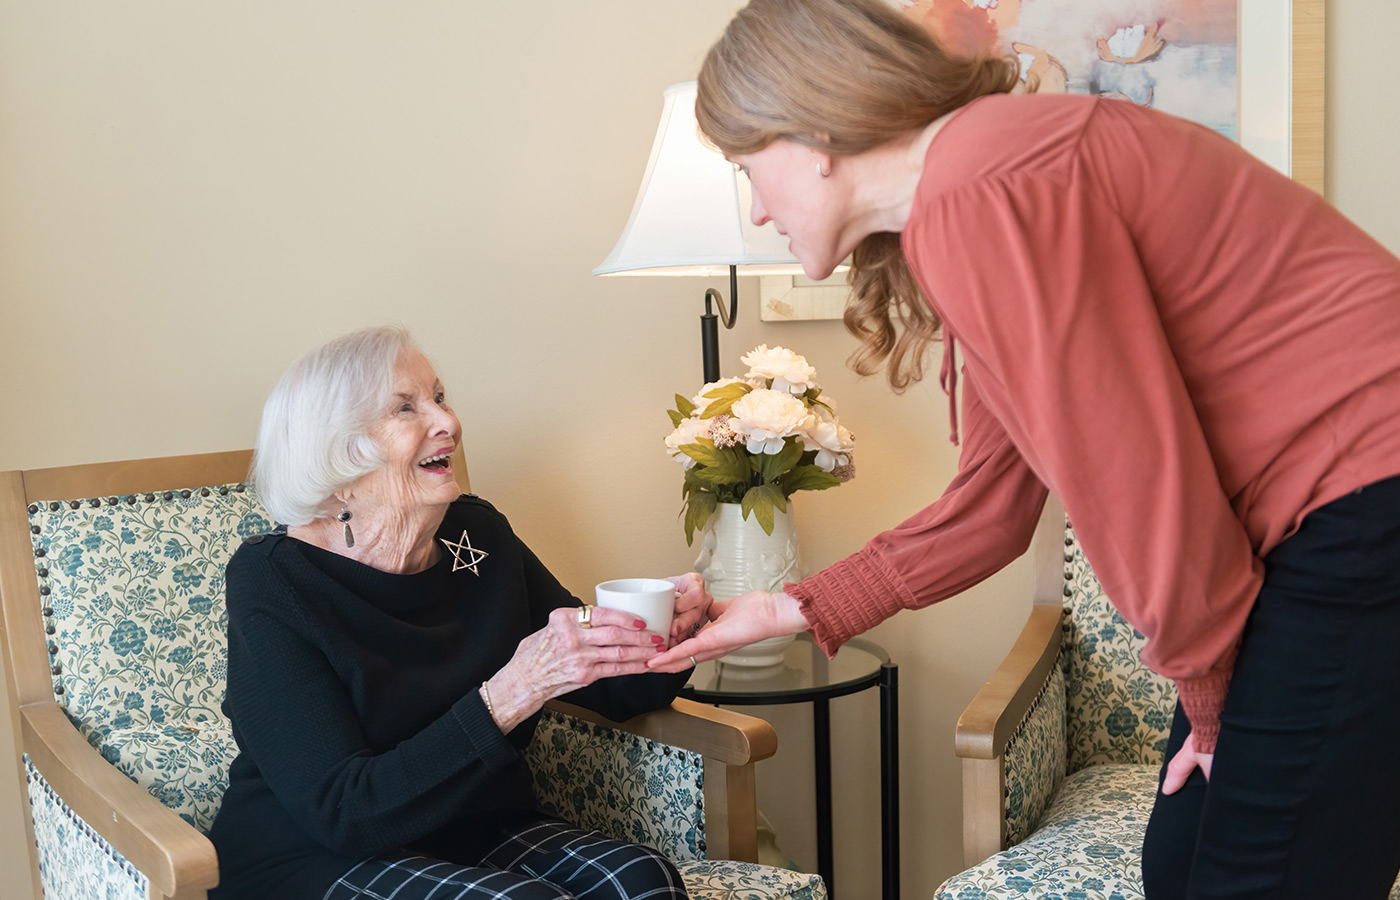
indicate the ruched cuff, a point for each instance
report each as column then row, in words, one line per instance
column 1202, row 698
column 849, row 597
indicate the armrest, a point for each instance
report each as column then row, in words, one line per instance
column 719, row 734
column 1001, row 704
column 167, row 849
column 731, row 743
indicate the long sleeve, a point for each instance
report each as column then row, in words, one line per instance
column 295, row 719
column 983, row 520
column 620, row 698
column 1039, row 277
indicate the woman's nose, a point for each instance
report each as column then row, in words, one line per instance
column 447, row 423
column 757, row 213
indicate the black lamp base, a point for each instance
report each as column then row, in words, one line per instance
column 709, row 325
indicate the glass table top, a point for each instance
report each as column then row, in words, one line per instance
column 804, row 671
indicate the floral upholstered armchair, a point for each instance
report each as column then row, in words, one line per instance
column 112, row 584
column 1062, row 747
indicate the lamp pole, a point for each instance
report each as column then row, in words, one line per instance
column 709, row 324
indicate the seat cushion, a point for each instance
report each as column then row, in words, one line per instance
column 1088, row 845
column 730, row 880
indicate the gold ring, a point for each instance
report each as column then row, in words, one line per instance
column 585, row 616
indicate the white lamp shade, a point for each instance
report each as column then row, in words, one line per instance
column 691, row 216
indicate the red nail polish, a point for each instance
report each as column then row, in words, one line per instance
column 657, row 639
column 638, row 623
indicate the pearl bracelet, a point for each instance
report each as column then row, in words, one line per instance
column 486, row 698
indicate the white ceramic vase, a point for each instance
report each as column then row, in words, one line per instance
column 736, row 557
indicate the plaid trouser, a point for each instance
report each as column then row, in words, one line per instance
column 544, row 861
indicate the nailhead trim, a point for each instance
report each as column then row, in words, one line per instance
column 42, row 571
column 35, row 777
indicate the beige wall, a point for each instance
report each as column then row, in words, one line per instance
column 190, row 194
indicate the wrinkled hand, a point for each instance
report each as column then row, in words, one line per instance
column 1183, row 763
column 564, row 656
column 692, row 606
column 734, row 623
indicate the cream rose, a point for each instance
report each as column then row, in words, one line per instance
column 765, row 417
column 790, row 372
column 686, row 433
column 701, row 401
column 832, row 441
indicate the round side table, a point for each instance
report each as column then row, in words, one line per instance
column 805, row 675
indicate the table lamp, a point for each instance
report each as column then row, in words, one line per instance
column 691, row 217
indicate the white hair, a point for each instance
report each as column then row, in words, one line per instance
column 315, row 435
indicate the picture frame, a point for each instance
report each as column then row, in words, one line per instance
column 1282, row 76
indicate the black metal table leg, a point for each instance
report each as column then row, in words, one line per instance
column 821, row 740
column 889, row 779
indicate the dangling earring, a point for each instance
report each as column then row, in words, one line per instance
column 344, row 517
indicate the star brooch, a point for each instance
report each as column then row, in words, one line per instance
column 464, row 555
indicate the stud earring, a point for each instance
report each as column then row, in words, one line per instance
column 822, row 171
column 344, row 518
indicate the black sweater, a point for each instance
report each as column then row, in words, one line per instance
column 354, row 703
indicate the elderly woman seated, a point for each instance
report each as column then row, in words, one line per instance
column 390, row 650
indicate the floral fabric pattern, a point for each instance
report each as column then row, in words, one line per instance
column 1088, row 846
column 1120, row 711
column 627, row 787
column 730, row 880
column 1034, row 759
column 74, row 860
column 133, row 594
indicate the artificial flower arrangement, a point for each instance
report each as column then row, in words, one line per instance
column 756, row 439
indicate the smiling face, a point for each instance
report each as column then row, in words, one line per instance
column 417, row 436
column 790, row 191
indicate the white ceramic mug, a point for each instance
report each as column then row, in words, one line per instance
column 652, row 600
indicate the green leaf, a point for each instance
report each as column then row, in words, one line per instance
column 702, row 451
column 725, row 465
column 723, row 475
column 725, row 397
column 761, row 501
column 810, row 398
column 685, row 406
column 807, row 478
column 773, row 466
column 697, row 512
column 676, row 418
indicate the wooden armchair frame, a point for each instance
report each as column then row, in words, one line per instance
column 997, row 710
column 179, row 860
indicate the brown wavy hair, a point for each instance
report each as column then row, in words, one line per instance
column 844, row 77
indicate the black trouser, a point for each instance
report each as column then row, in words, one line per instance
column 548, row 860
column 1304, row 795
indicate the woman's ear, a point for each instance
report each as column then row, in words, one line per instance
column 824, row 160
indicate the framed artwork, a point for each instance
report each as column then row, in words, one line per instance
column 1250, row 69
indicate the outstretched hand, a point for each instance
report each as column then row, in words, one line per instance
column 1183, row 764
column 733, row 624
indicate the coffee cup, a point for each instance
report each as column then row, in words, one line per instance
column 653, row 600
